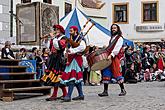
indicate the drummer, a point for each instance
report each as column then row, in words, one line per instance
column 115, row 45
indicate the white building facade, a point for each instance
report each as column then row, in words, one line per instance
column 4, row 20
column 140, row 20
column 100, row 15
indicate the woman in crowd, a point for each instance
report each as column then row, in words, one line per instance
column 22, row 54
column 39, row 64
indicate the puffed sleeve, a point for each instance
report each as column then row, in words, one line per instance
column 62, row 44
column 59, row 44
column 80, row 48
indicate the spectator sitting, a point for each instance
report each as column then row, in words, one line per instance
column 7, row 53
column 161, row 75
column 32, row 56
column 130, row 75
column 22, row 54
column 147, row 75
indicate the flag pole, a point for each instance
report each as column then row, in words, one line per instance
column 75, row 3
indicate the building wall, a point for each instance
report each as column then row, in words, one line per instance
column 135, row 19
column 99, row 15
column 103, row 16
column 4, row 20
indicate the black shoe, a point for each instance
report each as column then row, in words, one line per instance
column 103, row 94
column 78, row 98
column 66, row 99
column 51, row 98
column 123, row 93
column 61, row 97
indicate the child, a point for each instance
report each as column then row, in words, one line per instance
column 95, row 78
column 147, row 75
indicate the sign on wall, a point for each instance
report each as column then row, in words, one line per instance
column 150, row 28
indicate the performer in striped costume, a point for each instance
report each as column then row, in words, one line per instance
column 56, row 62
column 113, row 70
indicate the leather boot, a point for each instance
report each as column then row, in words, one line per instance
column 103, row 94
column 123, row 92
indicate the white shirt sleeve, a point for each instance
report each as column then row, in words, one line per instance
column 117, row 47
column 55, row 43
column 80, row 48
column 9, row 56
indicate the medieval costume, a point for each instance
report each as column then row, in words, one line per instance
column 56, row 63
column 113, row 70
column 73, row 75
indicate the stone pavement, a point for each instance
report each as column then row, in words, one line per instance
column 141, row 96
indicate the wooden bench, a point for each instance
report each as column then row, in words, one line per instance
column 15, row 79
column 14, row 68
column 5, row 84
column 17, row 75
column 9, row 62
column 7, row 95
column 18, row 81
column 17, row 67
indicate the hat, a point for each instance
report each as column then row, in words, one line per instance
column 75, row 28
column 57, row 26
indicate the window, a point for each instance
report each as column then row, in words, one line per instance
column 68, row 8
column 150, row 12
column 25, row 1
column 47, row 1
column 120, row 13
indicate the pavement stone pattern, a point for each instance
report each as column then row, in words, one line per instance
column 140, row 96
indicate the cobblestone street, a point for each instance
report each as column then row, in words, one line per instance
column 141, row 96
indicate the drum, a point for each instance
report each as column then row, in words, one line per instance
column 98, row 60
